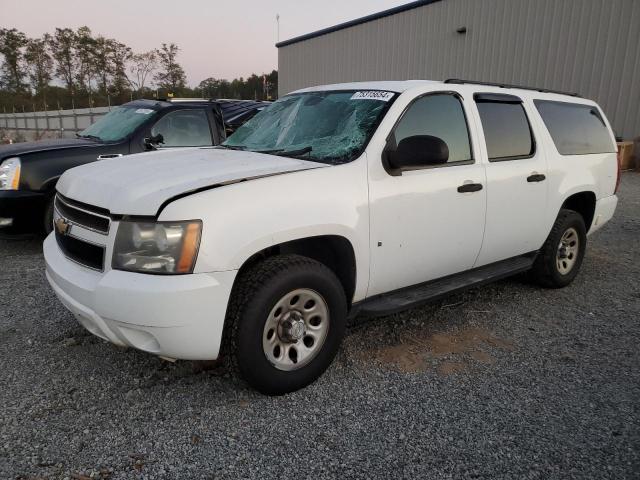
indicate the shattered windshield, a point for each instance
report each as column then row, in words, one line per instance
column 118, row 123
column 327, row 126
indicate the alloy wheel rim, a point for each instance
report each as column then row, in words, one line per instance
column 568, row 249
column 296, row 329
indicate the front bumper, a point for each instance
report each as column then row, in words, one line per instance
column 23, row 208
column 179, row 316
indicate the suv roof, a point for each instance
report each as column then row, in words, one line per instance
column 233, row 109
column 400, row 86
column 390, row 86
column 230, row 108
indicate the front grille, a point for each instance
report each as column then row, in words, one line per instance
column 81, row 252
column 91, row 218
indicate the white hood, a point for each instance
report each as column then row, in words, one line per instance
column 139, row 184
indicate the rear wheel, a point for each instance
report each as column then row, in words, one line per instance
column 287, row 316
column 560, row 258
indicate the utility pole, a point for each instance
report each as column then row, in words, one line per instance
column 278, row 25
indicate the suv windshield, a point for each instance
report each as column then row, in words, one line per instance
column 328, row 126
column 118, row 123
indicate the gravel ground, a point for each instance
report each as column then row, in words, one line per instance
column 507, row 381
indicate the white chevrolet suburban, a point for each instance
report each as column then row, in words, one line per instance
column 362, row 198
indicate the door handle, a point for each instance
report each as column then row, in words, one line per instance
column 109, row 155
column 470, row 187
column 536, row 177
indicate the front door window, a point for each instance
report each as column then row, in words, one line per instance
column 183, row 128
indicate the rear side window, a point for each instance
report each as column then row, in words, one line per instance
column 506, row 130
column 575, row 129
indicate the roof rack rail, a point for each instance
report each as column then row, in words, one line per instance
column 506, row 85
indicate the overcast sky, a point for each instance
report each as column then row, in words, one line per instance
column 222, row 39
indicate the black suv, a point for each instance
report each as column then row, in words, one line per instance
column 29, row 171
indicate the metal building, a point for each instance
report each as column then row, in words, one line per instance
column 587, row 46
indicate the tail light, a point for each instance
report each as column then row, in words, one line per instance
column 618, row 163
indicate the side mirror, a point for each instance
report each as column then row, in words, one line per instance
column 419, row 151
column 151, row 143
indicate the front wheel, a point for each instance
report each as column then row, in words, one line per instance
column 288, row 317
column 560, row 258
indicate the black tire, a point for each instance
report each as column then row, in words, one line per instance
column 47, row 222
column 546, row 271
column 253, row 298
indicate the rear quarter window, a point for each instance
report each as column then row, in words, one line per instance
column 575, row 129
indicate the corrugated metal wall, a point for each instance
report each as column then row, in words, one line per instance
column 588, row 46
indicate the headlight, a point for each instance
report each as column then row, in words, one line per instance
column 10, row 174
column 157, row 247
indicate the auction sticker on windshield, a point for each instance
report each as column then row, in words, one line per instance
column 373, row 95
column 145, row 111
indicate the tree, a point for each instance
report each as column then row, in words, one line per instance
column 142, row 65
column 12, row 43
column 62, row 45
column 258, row 87
column 215, row 88
column 271, row 85
column 72, row 67
column 120, row 55
column 84, row 47
column 172, row 76
column 39, row 65
column 102, row 63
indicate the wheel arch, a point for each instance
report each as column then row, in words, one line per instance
column 336, row 252
column 48, row 187
column 584, row 203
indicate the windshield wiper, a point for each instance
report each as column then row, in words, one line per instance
column 92, row 137
column 270, row 152
column 290, row 153
column 281, row 152
column 232, row 147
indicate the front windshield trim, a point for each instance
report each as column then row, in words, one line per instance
column 356, row 153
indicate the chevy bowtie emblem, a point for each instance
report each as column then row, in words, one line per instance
column 62, row 226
